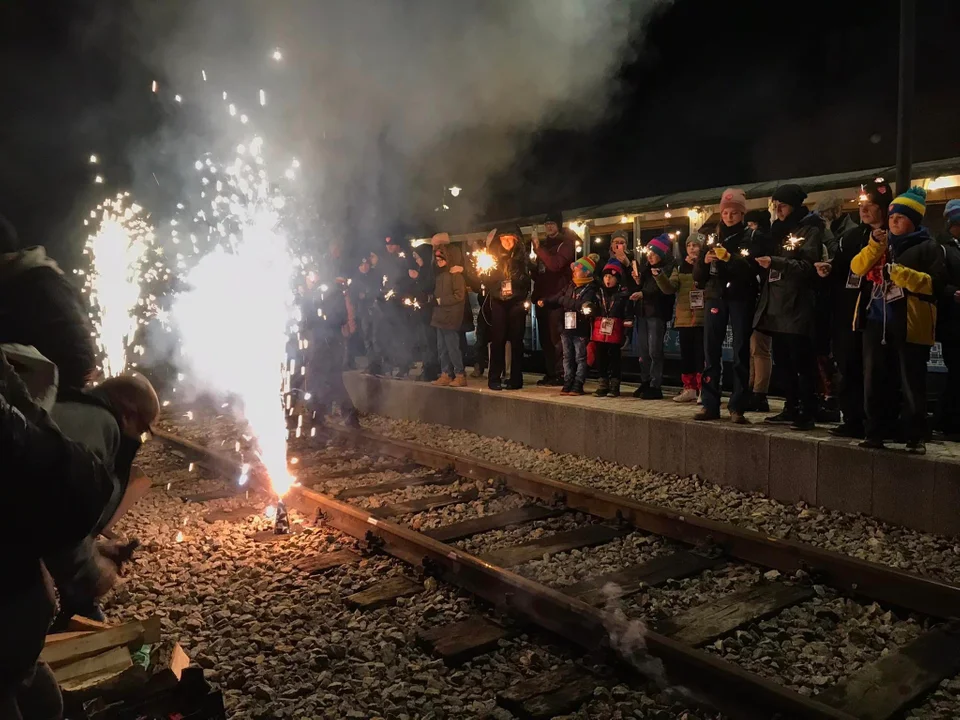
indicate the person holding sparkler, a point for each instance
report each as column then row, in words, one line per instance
column 554, row 255
column 727, row 272
column 509, row 284
column 612, row 317
column 786, row 309
column 761, row 362
column 449, row 294
column 904, row 274
column 655, row 287
column 688, row 320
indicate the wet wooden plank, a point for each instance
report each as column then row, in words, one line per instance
column 384, row 593
column 632, row 579
column 212, row 495
column 458, row 642
column 428, row 503
column 237, row 514
column 709, row 621
column 884, row 688
column 399, row 484
column 325, row 561
column 475, row 526
column 585, row 536
column 549, row 694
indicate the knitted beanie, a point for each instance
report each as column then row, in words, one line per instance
column 661, row 245
column 876, row 191
column 792, row 195
column 554, row 217
column 733, row 198
column 830, row 202
column 441, row 238
column 613, row 267
column 588, row 263
column 912, row 204
column 951, row 213
column 619, row 234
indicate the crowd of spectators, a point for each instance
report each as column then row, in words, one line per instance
column 846, row 309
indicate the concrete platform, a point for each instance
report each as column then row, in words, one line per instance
column 917, row 492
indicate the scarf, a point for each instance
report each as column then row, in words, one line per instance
column 782, row 228
column 582, row 281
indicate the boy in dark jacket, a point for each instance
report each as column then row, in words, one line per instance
column 576, row 300
column 656, row 288
column 612, row 314
column 786, row 309
column 904, row 270
column 450, row 292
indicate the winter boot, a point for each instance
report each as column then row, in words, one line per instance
column 758, row 403
column 786, row 417
column 459, row 381
column 644, row 386
column 687, row 395
column 443, row 381
column 577, row 389
column 603, row 387
column 567, row 388
column 704, row 415
column 652, row 393
column 827, row 410
column 615, row 387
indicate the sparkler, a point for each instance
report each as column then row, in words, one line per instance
column 745, row 252
column 484, row 262
column 792, row 242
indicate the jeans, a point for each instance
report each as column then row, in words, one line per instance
column 880, row 364
column 574, row 360
column 739, row 314
column 451, row 358
column 549, row 331
column 650, row 332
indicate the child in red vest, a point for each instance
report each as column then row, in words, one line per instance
column 612, row 314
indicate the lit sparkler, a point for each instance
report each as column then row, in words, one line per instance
column 792, row 242
column 484, row 261
column 745, row 252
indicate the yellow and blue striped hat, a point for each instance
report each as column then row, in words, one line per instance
column 913, row 204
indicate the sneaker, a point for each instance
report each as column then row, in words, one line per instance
column 759, row 403
column 828, row 415
column 803, row 424
column 477, row 372
column 512, row 387
column 577, row 390
column 704, row 415
column 496, row 387
column 601, row 392
column 917, row 447
column 567, row 389
column 783, row 418
column 555, row 382
column 652, row 393
column 843, row 430
column 738, row 419
column 545, row 381
column 459, row 381
column 638, row 393
column 872, row 444
column 443, row 381
column 687, row 395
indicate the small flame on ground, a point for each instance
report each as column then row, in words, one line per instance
column 270, row 512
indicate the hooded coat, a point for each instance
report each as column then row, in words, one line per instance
column 450, row 290
column 787, row 301
column 511, row 265
column 40, row 307
column 554, row 256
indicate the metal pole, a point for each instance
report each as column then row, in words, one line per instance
column 908, row 31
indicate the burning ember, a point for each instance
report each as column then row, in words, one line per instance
column 484, row 262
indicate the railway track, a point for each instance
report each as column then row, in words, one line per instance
column 405, row 518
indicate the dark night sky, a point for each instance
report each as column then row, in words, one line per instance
column 715, row 93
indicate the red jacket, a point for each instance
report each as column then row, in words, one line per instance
column 554, row 256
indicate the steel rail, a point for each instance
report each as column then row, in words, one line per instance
column 865, row 579
column 723, row 685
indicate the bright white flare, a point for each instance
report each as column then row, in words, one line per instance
column 117, row 252
column 484, row 261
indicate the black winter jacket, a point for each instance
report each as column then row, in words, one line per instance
column 580, row 300
column 659, row 293
column 846, row 300
column 788, row 297
column 736, row 278
column 612, row 302
column 948, row 309
column 511, row 266
column 40, row 307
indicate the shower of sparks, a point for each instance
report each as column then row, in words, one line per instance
column 792, row 242
column 745, row 252
column 117, row 252
column 484, row 261
column 234, row 315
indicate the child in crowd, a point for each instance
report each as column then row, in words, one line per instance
column 450, row 291
column 657, row 282
column 612, row 315
column 688, row 320
column 577, row 303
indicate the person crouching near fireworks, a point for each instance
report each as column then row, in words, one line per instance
column 903, row 271
column 509, row 285
column 613, row 313
column 727, row 273
column 449, row 293
column 786, row 309
column 577, row 301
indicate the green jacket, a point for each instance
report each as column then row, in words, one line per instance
column 684, row 315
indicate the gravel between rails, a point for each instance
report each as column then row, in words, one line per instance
column 814, row 645
column 283, row 645
column 516, row 534
column 856, row 535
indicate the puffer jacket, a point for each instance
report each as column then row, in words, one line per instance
column 787, row 301
column 43, row 470
column 734, row 277
column 917, row 271
column 659, row 289
column 579, row 300
column 684, row 314
column 511, row 266
column 450, row 291
column 40, row 307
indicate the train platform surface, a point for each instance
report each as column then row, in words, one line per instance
column 920, row 492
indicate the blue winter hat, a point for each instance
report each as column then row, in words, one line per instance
column 912, row 204
column 951, row 213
